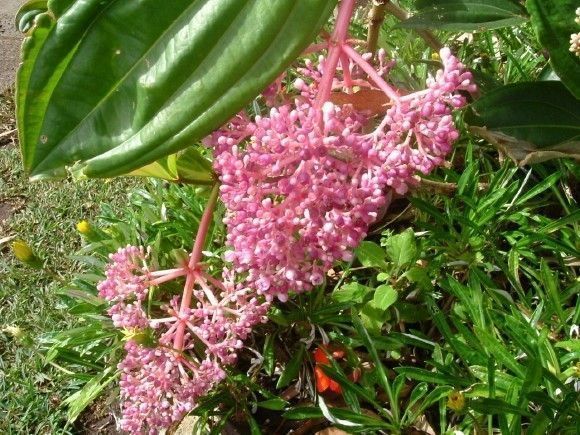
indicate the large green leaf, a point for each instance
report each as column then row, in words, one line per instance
column 187, row 166
column 530, row 121
column 111, row 86
column 465, row 15
column 554, row 23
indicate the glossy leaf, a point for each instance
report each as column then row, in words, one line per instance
column 495, row 406
column 380, row 369
column 303, row 413
column 554, row 23
column 79, row 401
column 269, row 355
column 434, row 396
column 24, row 19
column 292, row 368
column 385, row 296
column 351, row 292
column 254, row 426
column 530, row 121
column 187, row 166
column 371, row 255
column 552, row 291
column 113, row 86
column 431, row 377
column 274, row 404
column 402, row 248
column 307, row 413
column 373, row 317
column 465, row 15
column 499, row 351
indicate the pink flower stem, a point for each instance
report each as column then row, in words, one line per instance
column 192, row 328
column 414, row 95
column 366, row 67
column 193, row 264
column 336, row 42
column 157, row 273
column 168, row 276
column 313, row 48
column 206, row 289
column 214, row 281
column 345, row 63
column 164, row 320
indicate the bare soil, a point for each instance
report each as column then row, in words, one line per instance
column 10, row 40
column 5, row 211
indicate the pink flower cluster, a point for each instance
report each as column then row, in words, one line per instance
column 298, row 197
column 126, row 287
column 160, row 384
column 222, row 317
column 302, row 185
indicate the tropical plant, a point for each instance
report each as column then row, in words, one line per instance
column 302, row 161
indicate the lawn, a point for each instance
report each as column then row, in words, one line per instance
column 45, row 215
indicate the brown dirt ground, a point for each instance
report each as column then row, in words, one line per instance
column 10, row 40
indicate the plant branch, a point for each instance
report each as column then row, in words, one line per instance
column 376, row 18
column 374, row 76
column 400, row 14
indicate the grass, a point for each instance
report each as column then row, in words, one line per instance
column 43, row 214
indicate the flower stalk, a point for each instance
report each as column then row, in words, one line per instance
column 192, row 267
column 336, row 42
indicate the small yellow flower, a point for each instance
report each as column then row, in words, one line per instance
column 456, row 401
column 435, row 56
column 22, row 251
column 84, row 227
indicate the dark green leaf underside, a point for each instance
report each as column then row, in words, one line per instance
column 466, row 15
column 542, row 113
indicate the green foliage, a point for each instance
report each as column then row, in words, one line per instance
column 24, row 19
column 477, row 298
column 530, row 121
column 465, row 15
column 144, row 82
column 187, row 166
column 554, row 23
column 499, row 313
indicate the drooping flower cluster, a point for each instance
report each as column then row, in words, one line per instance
column 222, row 317
column 302, row 185
column 298, row 197
column 162, row 376
column 159, row 386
